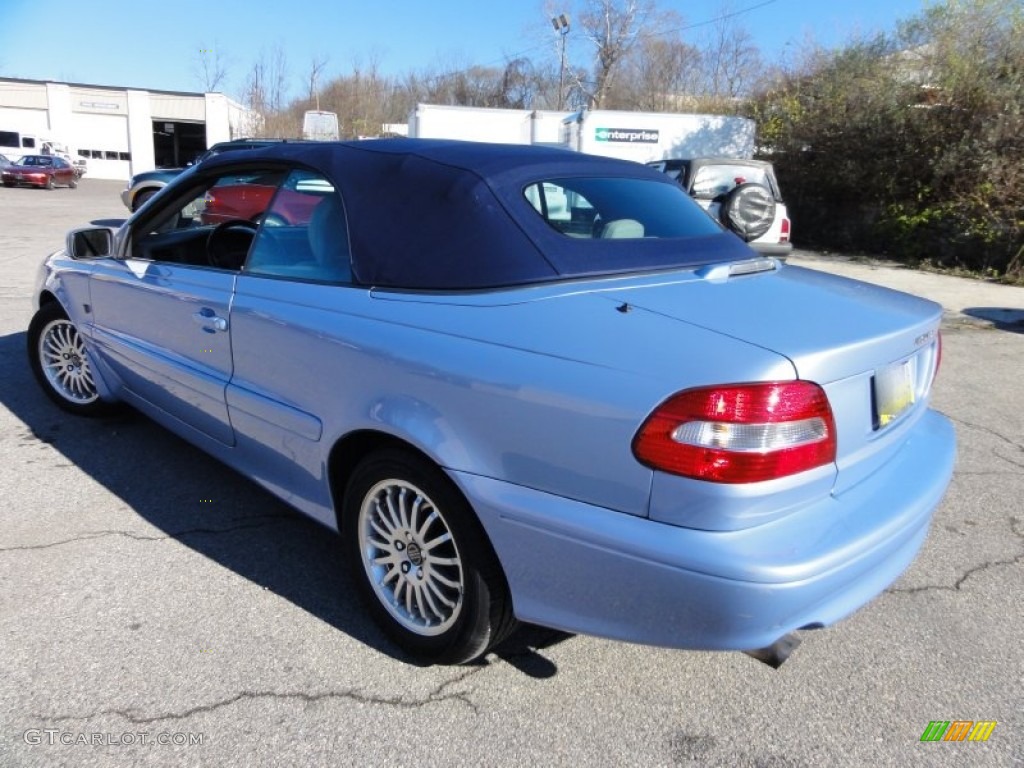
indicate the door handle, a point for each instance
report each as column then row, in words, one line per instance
column 208, row 319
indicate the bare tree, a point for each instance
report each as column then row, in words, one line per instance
column 316, row 68
column 613, row 26
column 265, row 93
column 661, row 75
column 210, row 67
column 730, row 58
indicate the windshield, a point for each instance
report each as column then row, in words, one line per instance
column 35, row 160
column 710, row 181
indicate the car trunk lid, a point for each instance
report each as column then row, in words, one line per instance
column 873, row 350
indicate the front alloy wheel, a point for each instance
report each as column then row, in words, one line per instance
column 421, row 560
column 60, row 363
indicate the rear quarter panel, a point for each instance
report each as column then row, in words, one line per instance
column 545, row 394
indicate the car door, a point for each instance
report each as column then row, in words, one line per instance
column 161, row 311
column 292, row 311
column 67, row 171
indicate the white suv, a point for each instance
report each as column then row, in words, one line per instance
column 742, row 194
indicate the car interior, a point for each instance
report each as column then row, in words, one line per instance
column 313, row 249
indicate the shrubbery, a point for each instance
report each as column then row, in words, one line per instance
column 912, row 143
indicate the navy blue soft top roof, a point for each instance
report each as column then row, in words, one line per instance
column 439, row 214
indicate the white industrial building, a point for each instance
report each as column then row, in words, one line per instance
column 121, row 131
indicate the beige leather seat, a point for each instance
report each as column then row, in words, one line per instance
column 328, row 240
column 623, row 229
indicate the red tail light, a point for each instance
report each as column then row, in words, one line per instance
column 784, row 231
column 740, row 433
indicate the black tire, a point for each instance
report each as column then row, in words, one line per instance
column 422, row 505
column 748, row 210
column 70, row 384
column 142, row 197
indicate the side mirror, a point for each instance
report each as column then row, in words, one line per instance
column 90, row 243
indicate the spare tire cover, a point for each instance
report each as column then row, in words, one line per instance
column 748, row 210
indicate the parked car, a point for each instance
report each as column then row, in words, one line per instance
column 142, row 186
column 742, row 194
column 524, row 385
column 248, row 196
column 39, row 171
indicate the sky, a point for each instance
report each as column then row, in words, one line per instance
column 156, row 45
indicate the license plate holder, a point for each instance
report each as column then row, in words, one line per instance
column 893, row 391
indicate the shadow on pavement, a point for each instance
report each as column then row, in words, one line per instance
column 1003, row 318
column 215, row 511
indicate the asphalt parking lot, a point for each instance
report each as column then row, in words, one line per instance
column 158, row 609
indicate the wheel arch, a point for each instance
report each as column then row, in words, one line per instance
column 150, row 186
column 46, row 297
column 350, row 449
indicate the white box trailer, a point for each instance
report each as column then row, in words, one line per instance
column 504, row 126
column 320, row 126
column 646, row 136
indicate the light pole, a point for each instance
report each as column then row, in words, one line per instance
column 561, row 25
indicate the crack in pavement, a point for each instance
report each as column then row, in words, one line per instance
column 436, row 696
column 971, row 473
column 1015, row 529
column 1008, row 460
column 252, row 523
column 989, row 430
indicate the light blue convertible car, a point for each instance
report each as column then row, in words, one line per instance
column 523, row 384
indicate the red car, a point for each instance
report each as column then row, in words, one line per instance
column 249, row 198
column 40, row 171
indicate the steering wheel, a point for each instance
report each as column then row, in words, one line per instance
column 228, row 243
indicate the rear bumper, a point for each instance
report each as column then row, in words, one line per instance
column 772, row 249
column 587, row 569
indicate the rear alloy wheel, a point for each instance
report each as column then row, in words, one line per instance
column 57, row 356
column 421, row 560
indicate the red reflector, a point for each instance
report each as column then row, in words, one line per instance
column 740, row 433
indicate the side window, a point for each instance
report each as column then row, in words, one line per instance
column 593, row 208
column 212, row 224
column 304, row 234
column 566, row 210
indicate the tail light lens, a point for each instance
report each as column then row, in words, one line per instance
column 784, row 231
column 740, row 433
